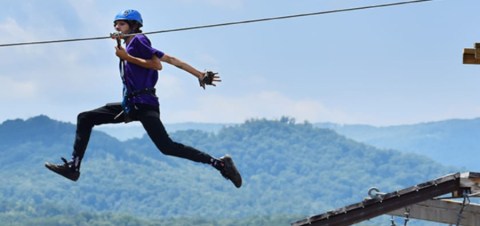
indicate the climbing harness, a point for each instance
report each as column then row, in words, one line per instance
column 121, row 66
column 148, row 91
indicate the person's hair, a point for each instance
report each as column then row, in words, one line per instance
column 135, row 26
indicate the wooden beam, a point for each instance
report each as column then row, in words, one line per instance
column 477, row 51
column 469, row 56
column 385, row 203
column 378, row 204
column 471, row 182
column 442, row 211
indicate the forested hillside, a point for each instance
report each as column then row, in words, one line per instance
column 451, row 142
column 290, row 171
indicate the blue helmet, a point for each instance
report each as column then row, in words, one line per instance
column 129, row 15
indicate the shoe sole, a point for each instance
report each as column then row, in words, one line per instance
column 54, row 169
column 236, row 178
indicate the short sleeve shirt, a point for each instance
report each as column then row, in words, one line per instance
column 137, row 77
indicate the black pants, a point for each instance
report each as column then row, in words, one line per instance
column 148, row 115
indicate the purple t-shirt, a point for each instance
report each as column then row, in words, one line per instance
column 140, row 78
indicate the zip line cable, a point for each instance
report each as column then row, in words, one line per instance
column 224, row 24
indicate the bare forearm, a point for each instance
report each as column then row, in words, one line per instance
column 186, row 67
column 182, row 65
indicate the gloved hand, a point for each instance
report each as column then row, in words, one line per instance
column 209, row 78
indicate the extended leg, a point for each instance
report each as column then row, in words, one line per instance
column 155, row 129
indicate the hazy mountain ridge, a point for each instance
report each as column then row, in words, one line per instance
column 450, row 142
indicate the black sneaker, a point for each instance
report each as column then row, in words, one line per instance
column 67, row 169
column 230, row 172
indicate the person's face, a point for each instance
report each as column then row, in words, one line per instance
column 122, row 26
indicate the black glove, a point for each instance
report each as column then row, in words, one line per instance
column 208, row 78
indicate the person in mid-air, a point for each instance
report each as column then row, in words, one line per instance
column 139, row 65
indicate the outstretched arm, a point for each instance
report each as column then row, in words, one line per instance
column 182, row 65
column 204, row 78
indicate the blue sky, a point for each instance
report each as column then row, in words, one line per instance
column 387, row 66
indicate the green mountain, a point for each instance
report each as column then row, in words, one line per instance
column 450, row 142
column 290, row 171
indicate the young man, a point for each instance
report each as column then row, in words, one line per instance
column 138, row 67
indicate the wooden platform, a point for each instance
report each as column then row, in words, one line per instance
column 456, row 185
column 442, row 211
column 472, row 55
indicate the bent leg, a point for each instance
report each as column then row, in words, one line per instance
column 87, row 120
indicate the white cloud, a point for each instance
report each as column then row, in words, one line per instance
column 264, row 104
column 12, row 31
column 15, row 90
